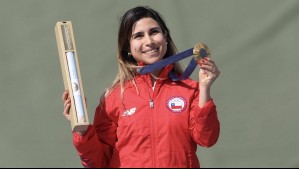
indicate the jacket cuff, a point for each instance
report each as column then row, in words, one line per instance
column 80, row 140
column 205, row 111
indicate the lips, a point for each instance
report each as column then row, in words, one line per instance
column 151, row 51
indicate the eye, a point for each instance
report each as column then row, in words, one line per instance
column 137, row 36
column 155, row 31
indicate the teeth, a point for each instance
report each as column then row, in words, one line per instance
column 151, row 51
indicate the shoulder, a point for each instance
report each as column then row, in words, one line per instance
column 187, row 83
column 191, row 82
column 108, row 104
column 111, row 95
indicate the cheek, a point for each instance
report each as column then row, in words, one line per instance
column 163, row 43
column 135, row 47
column 135, row 50
column 160, row 38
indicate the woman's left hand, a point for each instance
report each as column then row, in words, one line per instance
column 208, row 72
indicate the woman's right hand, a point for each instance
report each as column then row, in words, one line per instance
column 66, row 112
column 67, row 105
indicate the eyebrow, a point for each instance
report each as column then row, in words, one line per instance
column 154, row 28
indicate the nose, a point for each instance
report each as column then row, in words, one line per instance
column 148, row 40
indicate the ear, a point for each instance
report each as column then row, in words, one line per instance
column 124, row 53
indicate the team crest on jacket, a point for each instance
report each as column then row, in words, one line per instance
column 176, row 104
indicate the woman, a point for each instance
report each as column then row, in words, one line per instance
column 149, row 120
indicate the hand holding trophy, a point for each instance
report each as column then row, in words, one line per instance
column 73, row 97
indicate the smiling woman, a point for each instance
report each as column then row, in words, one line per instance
column 148, row 42
column 149, row 120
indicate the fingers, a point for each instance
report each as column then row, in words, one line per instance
column 66, row 110
column 209, row 65
column 65, row 95
column 67, row 105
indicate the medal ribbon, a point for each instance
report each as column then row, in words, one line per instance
column 172, row 59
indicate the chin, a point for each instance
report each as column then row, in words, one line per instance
column 151, row 61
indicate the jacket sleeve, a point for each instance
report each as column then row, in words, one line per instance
column 204, row 124
column 95, row 148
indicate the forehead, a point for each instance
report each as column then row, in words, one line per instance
column 144, row 24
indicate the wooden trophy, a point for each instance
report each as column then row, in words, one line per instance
column 71, row 75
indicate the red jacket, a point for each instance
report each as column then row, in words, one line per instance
column 149, row 128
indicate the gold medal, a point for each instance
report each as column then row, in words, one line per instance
column 200, row 51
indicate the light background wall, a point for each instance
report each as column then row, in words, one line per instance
column 254, row 43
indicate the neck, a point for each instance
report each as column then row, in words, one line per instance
column 154, row 80
column 155, row 77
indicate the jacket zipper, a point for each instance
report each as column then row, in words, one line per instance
column 153, row 133
column 153, row 125
column 151, row 104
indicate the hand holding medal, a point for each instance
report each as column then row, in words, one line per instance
column 208, row 70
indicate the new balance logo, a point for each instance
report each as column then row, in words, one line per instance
column 129, row 112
